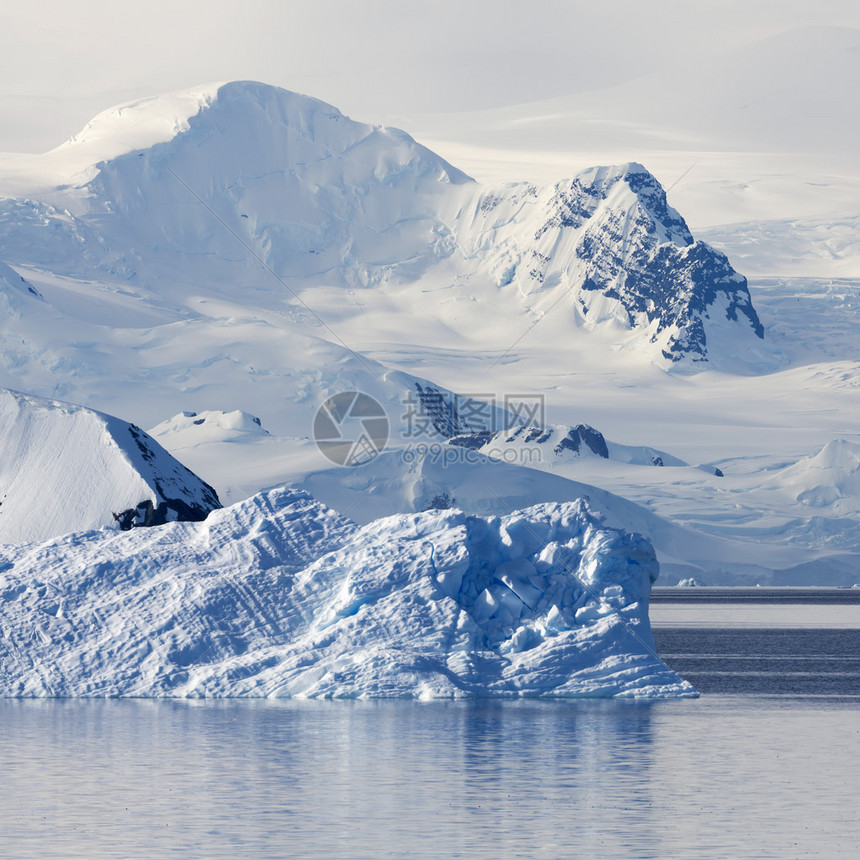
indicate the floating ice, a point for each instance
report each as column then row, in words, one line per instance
column 280, row 596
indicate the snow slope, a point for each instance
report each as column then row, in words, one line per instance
column 272, row 190
column 547, row 446
column 12, row 285
column 244, row 167
column 609, row 238
column 143, row 320
column 195, row 428
column 720, row 531
column 65, row 468
column 829, row 479
column 280, row 596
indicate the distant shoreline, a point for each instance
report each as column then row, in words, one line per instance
column 745, row 594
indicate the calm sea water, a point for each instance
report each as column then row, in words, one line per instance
column 754, row 769
column 759, row 641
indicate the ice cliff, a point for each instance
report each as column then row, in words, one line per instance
column 280, row 596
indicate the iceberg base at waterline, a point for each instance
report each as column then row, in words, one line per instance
column 280, row 596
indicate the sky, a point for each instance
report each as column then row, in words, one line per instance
column 61, row 63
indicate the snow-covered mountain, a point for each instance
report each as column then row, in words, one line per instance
column 546, row 446
column 829, row 479
column 255, row 185
column 65, row 468
column 609, row 238
column 209, row 426
column 308, row 189
column 240, row 173
column 13, row 288
column 368, row 264
column 279, row 596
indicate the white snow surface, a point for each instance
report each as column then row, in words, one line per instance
column 828, row 479
column 196, row 428
column 15, row 291
column 260, row 184
column 142, row 319
column 280, row 596
column 65, row 468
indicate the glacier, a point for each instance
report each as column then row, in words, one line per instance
column 279, row 596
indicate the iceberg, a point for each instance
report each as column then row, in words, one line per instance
column 280, row 596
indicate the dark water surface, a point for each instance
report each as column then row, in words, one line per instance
column 721, row 776
column 795, row 662
column 761, row 641
column 775, row 596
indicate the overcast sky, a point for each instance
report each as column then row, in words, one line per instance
column 61, row 62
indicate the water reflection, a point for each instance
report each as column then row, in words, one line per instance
column 277, row 775
column 376, row 779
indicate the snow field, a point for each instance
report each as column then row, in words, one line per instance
column 143, row 319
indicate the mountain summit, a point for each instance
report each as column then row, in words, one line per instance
column 203, row 191
column 609, row 238
column 66, row 468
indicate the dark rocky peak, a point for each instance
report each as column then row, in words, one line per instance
column 581, row 435
column 441, row 410
column 568, row 439
column 628, row 189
